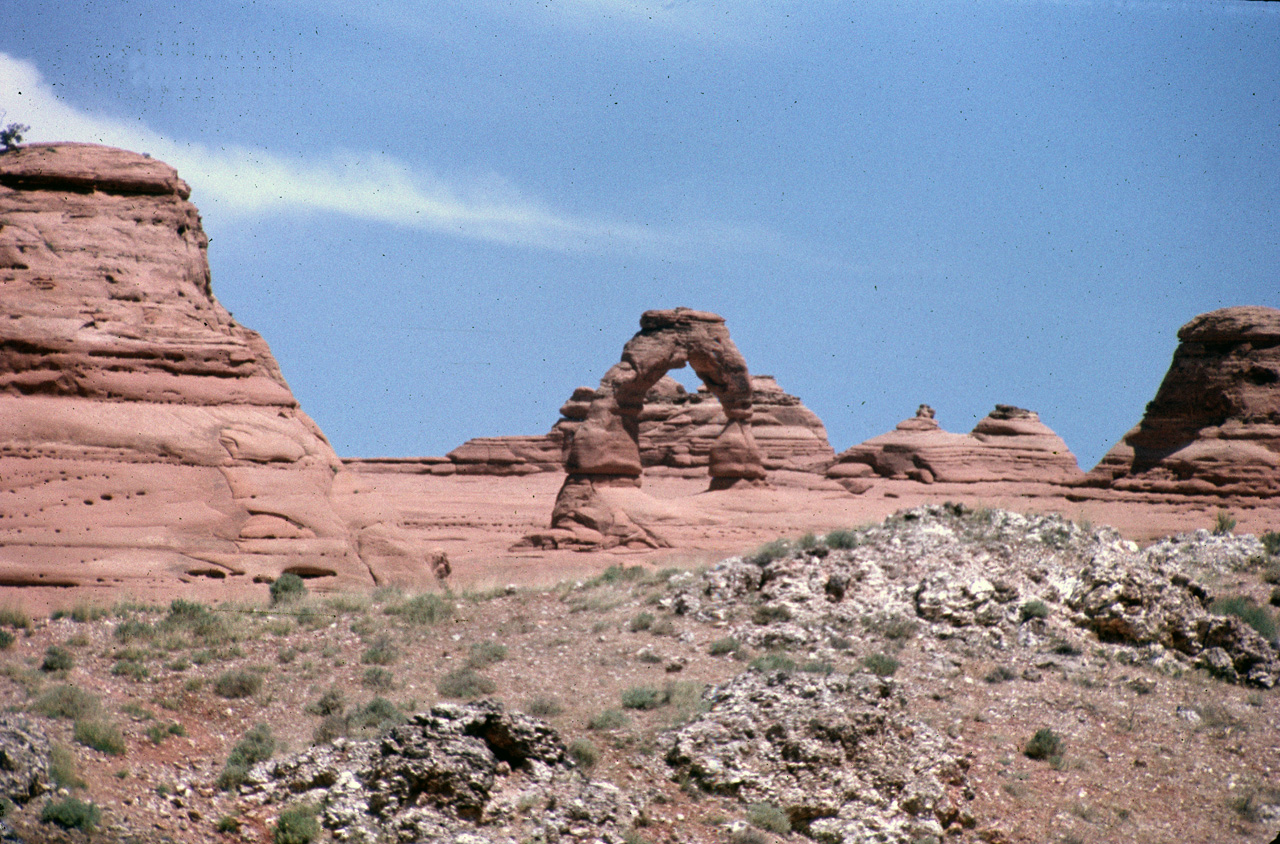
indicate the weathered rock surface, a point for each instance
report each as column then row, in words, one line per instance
column 469, row 772
column 1214, row 424
column 1010, row 444
column 24, row 760
column 973, row 574
column 604, row 450
column 145, row 436
column 837, row 754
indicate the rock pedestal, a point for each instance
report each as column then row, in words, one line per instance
column 1214, row 424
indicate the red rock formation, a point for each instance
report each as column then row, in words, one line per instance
column 677, row 429
column 1010, row 444
column 1214, row 425
column 145, row 436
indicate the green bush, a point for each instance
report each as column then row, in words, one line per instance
column 769, row 817
column 642, row 621
column 769, row 552
column 6, row 640
column 255, row 746
column 287, row 588
column 57, row 659
column 770, row 662
column 843, row 539
column 11, row 136
column 15, row 618
column 377, row 714
column 63, row 769
column 227, row 824
column 330, row 703
column 297, row 825
column 237, row 683
column 377, row 678
column 643, row 697
column 1223, row 523
column 333, row 726
column 896, row 627
column 1243, row 607
column 72, row 813
column 426, row 609
column 543, row 707
column 720, row 647
column 464, row 683
column 1034, row 609
column 584, row 752
column 769, row 613
column 1271, row 541
column 485, row 653
column 100, row 734
column 66, row 701
column 881, row 663
column 610, row 719
column 1045, row 744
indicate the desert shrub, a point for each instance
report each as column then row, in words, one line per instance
column 132, row 667
column 287, row 588
column 100, row 734
column 227, row 824
column 332, row 727
column 81, row 613
column 817, row 666
column 66, row 701
column 6, row 640
column 1271, row 541
column 1223, row 523
column 769, row 613
column 382, row 651
column 377, row 714
column 71, row 813
column 1243, row 608
column 158, row 732
column 134, row 629
column 892, row 626
column 1064, row 648
column 843, row 539
column 767, row 553
column 774, row 661
column 255, row 746
column 14, row 617
column 619, row 574
column 57, row 659
column 1045, row 744
column 642, row 621
column 1000, row 674
column 485, row 653
column 425, row 609
column 769, row 817
column 331, row 702
column 63, row 769
column 12, row 135
column 643, row 697
column 1274, row 600
column 720, row 647
column 663, row 627
column 543, row 707
column 377, row 678
column 880, row 663
column 584, row 752
column 297, row 825
column 464, row 683
column 237, row 683
column 610, row 719
column 1033, row 609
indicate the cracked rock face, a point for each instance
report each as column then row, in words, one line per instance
column 149, row 437
column 993, row 577
column 837, row 754
column 469, row 772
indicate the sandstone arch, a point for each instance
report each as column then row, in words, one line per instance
column 605, row 451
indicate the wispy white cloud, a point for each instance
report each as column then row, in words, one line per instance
column 375, row 187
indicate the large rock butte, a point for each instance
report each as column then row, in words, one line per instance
column 145, row 436
column 1010, row 444
column 1214, row 425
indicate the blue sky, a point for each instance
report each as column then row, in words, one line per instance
column 443, row 217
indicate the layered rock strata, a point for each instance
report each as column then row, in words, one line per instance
column 1009, row 444
column 145, row 436
column 677, row 430
column 604, row 450
column 1214, row 424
